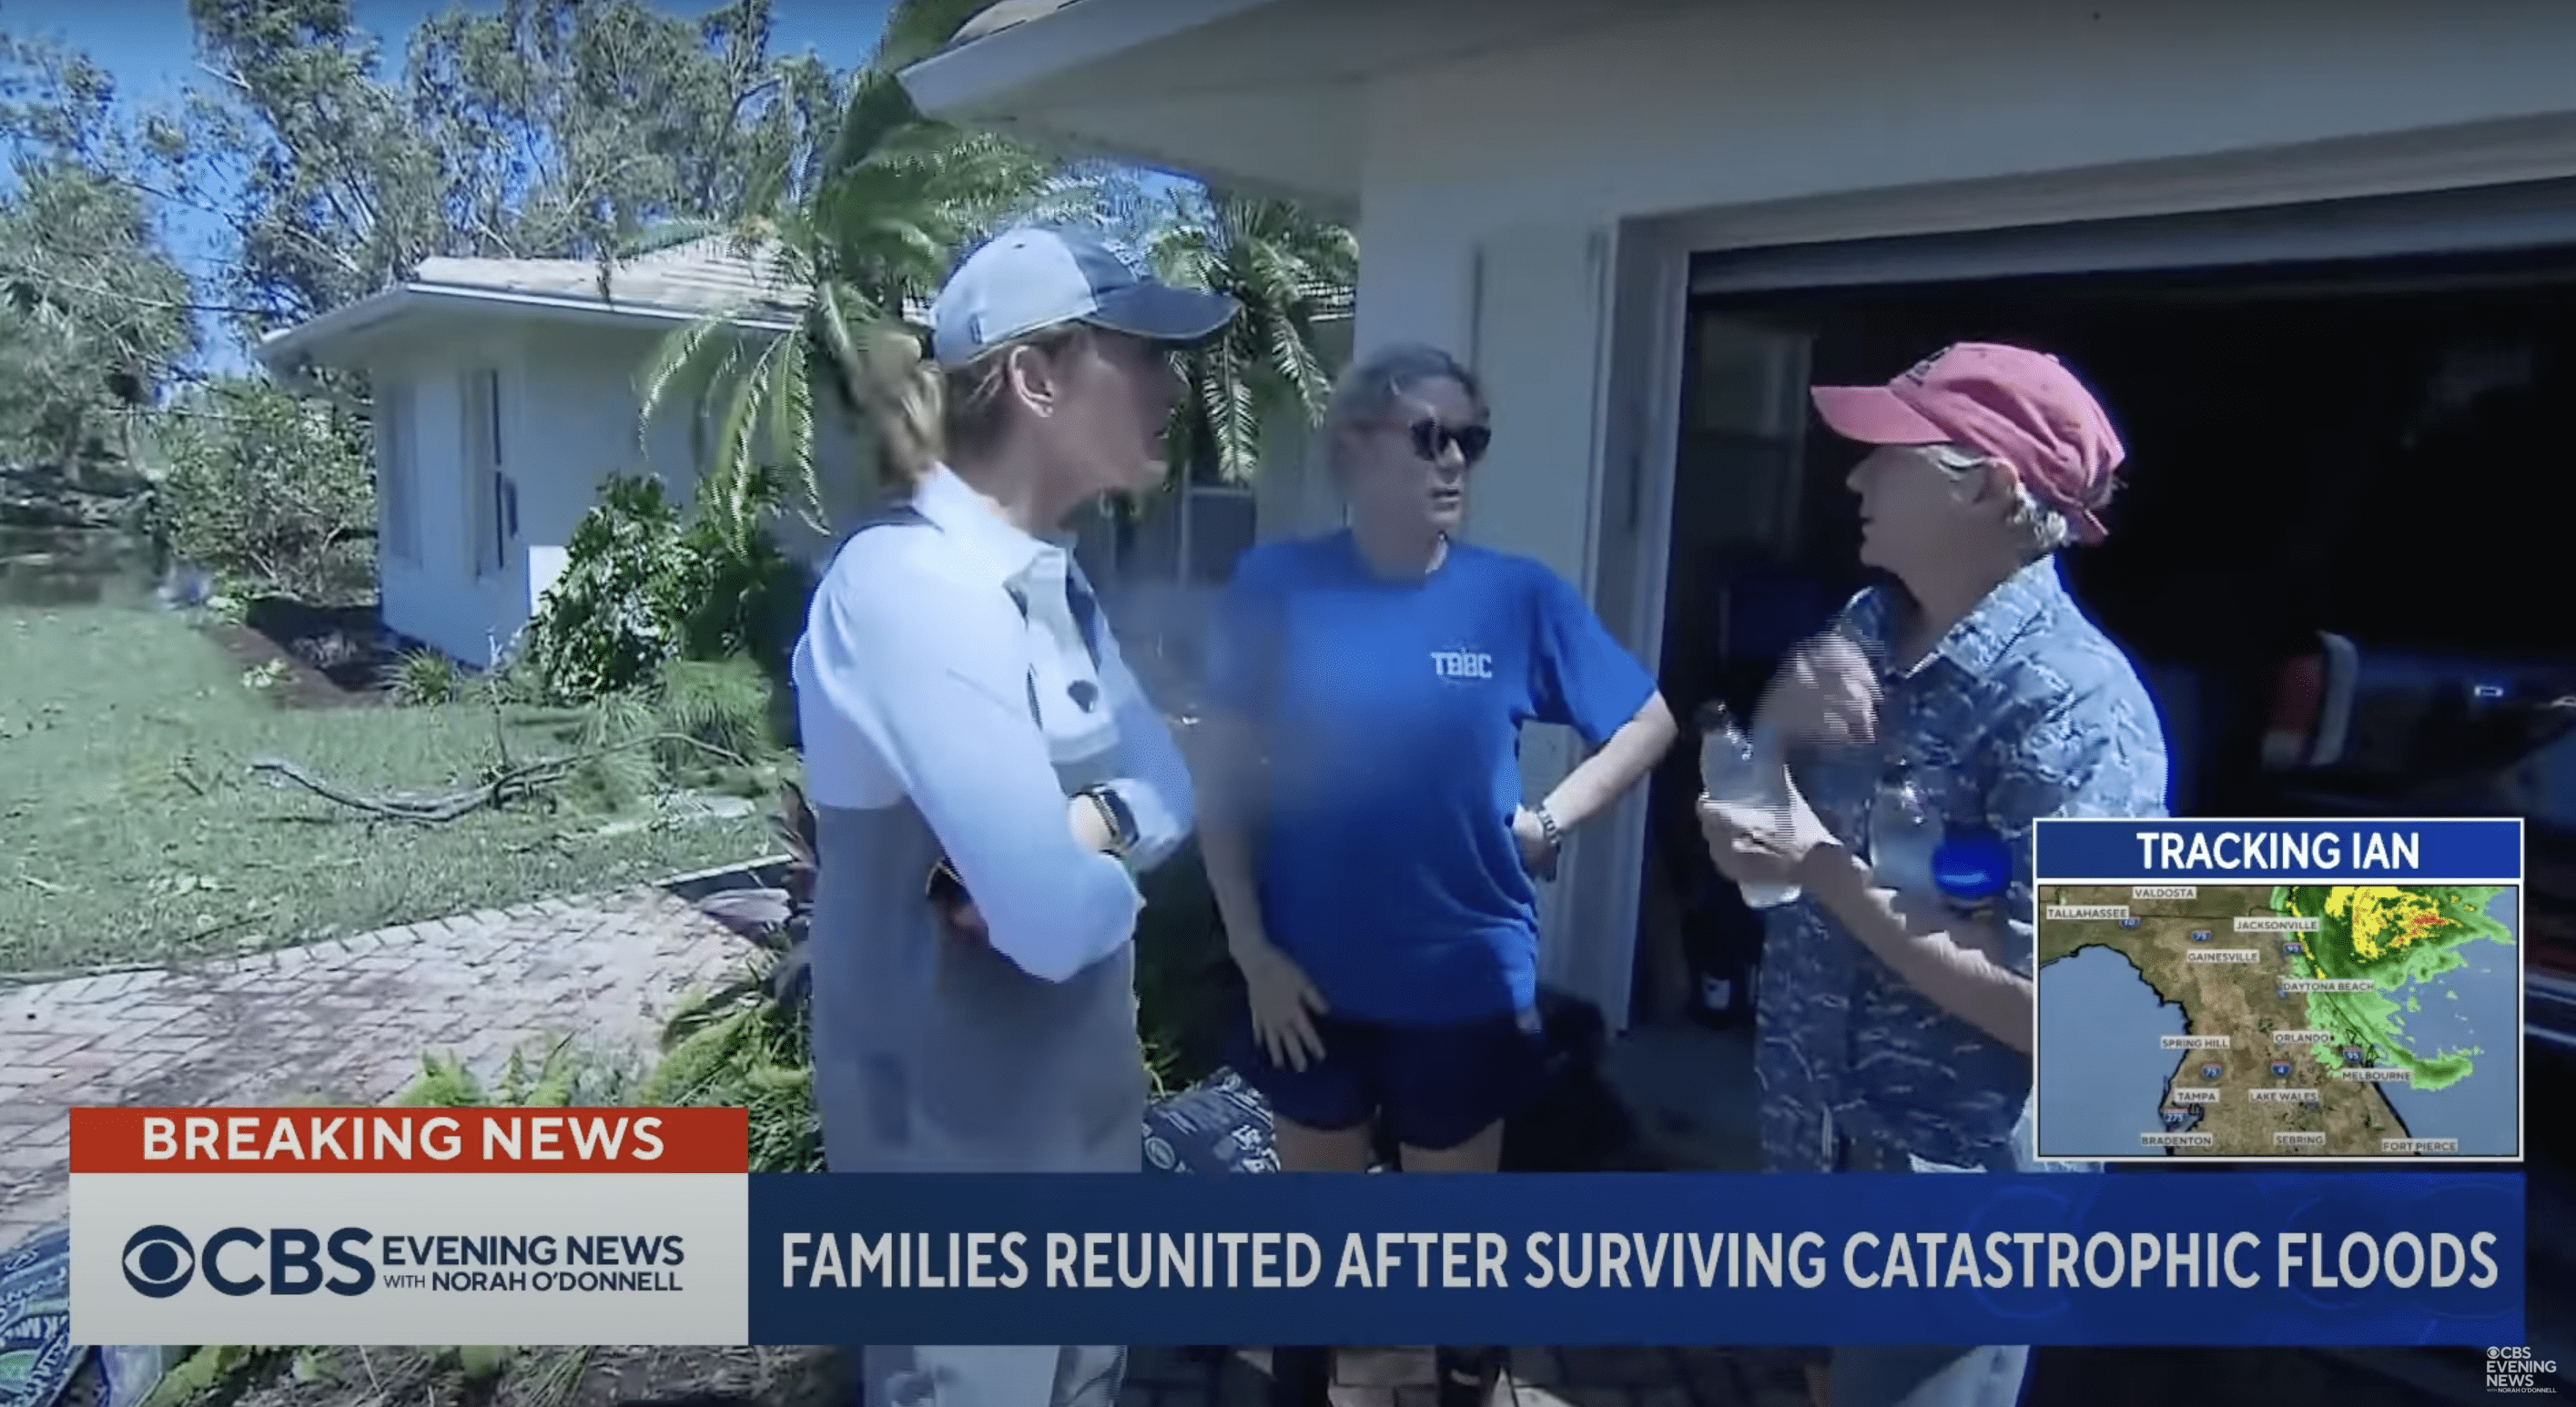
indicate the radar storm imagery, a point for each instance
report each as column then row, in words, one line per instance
column 2262, row 1021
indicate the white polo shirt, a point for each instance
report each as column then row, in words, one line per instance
column 915, row 682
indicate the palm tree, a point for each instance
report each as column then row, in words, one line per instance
column 857, row 252
column 854, row 254
column 1290, row 272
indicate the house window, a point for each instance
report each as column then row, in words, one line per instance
column 397, row 474
column 493, row 507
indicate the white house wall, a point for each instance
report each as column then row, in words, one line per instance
column 1765, row 100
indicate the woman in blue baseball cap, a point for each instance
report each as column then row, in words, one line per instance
column 988, row 777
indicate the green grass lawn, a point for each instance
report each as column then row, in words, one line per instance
column 135, row 833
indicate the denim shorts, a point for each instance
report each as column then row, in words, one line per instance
column 1433, row 1087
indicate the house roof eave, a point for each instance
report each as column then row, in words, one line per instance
column 317, row 339
column 1020, row 44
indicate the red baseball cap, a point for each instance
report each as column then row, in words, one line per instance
column 2022, row 407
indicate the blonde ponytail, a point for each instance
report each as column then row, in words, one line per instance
column 922, row 413
column 901, row 394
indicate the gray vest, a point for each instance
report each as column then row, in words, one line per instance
column 934, row 1054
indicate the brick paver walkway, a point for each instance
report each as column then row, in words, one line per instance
column 346, row 1021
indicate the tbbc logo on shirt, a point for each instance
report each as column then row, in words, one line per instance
column 160, row 1261
column 1462, row 664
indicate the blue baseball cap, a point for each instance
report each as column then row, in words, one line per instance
column 1030, row 279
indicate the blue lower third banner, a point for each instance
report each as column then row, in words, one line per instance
column 2290, row 1259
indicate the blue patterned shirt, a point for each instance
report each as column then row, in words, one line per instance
column 2025, row 709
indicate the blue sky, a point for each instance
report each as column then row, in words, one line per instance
column 150, row 48
column 148, row 45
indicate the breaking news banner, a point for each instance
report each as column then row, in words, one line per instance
column 2269, row 1258
column 2279, row 991
column 409, row 1226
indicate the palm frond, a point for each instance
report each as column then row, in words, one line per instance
column 679, row 355
column 738, row 441
column 791, row 426
column 1286, row 269
column 879, row 111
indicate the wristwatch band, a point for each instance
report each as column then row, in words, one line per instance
column 1115, row 817
column 1551, row 836
column 945, row 887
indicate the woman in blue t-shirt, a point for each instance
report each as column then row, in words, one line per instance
column 1365, row 829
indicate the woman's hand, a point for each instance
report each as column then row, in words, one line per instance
column 947, row 897
column 1284, row 1005
column 964, row 924
column 1538, row 853
column 1826, row 693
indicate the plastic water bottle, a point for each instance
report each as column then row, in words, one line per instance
column 1742, row 771
column 1904, row 837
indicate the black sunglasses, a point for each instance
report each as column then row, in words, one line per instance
column 1432, row 440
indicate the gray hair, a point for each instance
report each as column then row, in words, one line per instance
column 2042, row 528
column 1370, row 390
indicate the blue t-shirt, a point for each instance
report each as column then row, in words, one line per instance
column 1392, row 714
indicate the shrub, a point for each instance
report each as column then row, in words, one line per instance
column 428, row 677
column 644, row 585
column 612, row 617
column 566, row 1076
column 268, row 489
column 1187, row 991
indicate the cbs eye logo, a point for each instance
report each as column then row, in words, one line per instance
column 159, row 1262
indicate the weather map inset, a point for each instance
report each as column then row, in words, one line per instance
column 2289, row 1020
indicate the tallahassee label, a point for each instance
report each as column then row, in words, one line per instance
column 2088, row 911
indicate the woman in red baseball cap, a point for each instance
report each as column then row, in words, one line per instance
column 1896, row 1010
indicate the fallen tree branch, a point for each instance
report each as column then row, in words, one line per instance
column 506, row 783
column 431, row 810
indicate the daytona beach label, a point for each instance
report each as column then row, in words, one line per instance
column 395, row 1226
